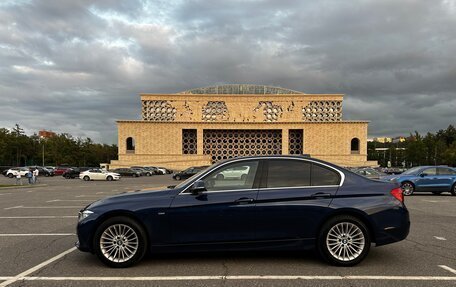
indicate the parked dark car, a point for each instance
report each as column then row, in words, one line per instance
column 74, row 172
column 283, row 202
column 435, row 179
column 126, row 172
column 189, row 172
column 42, row 171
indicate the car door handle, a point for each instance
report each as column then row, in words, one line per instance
column 321, row 195
column 244, row 200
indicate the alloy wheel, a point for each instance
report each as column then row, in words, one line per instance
column 345, row 241
column 119, row 243
column 407, row 188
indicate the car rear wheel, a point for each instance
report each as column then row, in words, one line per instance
column 344, row 241
column 407, row 188
column 46, row 174
column 10, row 175
column 67, row 176
column 86, row 178
column 453, row 190
column 120, row 242
column 178, row 177
column 109, row 178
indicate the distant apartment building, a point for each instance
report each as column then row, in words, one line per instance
column 46, row 134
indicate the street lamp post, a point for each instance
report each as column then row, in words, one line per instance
column 42, row 153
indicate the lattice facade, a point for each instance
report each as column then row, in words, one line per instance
column 215, row 111
column 223, row 144
column 322, row 111
column 295, row 141
column 271, row 111
column 160, row 111
column 189, row 141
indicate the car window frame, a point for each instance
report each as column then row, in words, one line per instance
column 261, row 170
column 449, row 171
column 428, row 174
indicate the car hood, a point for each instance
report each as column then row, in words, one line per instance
column 126, row 199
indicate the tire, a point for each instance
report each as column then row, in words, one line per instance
column 10, row 175
column 67, row 176
column 130, row 233
column 407, row 188
column 178, row 177
column 334, row 245
column 109, row 178
column 453, row 190
column 46, row 174
column 86, row 178
column 148, row 174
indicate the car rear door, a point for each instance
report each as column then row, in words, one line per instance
column 222, row 213
column 293, row 195
column 445, row 178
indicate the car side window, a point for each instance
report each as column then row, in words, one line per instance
column 232, row 176
column 445, row 171
column 324, row 176
column 288, row 173
column 429, row 171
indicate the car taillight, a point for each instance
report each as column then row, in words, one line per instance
column 397, row 193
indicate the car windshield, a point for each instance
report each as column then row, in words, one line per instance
column 412, row 171
column 185, row 182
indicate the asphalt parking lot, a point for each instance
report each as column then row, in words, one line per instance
column 37, row 235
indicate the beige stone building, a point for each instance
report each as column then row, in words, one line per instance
column 205, row 125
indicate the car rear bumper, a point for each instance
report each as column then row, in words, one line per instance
column 393, row 230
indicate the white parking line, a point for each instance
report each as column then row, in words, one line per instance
column 13, row 207
column 234, row 277
column 38, row 217
column 36, row 268
column 4, row 193
column 40, row 207
column 73, row 200
column 448, row 268
column 439, row 238
column 36, row 234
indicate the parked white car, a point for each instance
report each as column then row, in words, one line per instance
column 12, row 172
column 97, row 174
column 239, row 172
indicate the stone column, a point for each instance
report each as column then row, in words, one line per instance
column 285, row 141
column 199, row 139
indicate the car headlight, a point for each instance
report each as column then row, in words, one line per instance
column 84, row 214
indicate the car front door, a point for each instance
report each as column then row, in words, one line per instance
column 293, row 195
column 427, row 180
column 222, row 213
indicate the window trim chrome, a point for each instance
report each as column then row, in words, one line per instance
column 342, row 175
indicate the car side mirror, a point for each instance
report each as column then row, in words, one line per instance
column 198, row 187
column 423, row 174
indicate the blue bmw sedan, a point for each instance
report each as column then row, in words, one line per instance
column 435, row 179
column 260, row 203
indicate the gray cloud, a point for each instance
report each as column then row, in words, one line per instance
column 77, row 66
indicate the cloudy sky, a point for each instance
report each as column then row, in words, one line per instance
column 77, row 66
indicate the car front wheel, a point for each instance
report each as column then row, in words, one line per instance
column 344, row 240
column 109, row 178
column 453, row 190
column 407, row 188
column 86, row 178
column 120, row 242
column 10, row 175
column 178, row 177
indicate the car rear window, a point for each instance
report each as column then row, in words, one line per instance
column 324, row 176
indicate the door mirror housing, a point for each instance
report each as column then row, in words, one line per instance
column 423, row 174
column 198, row 187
